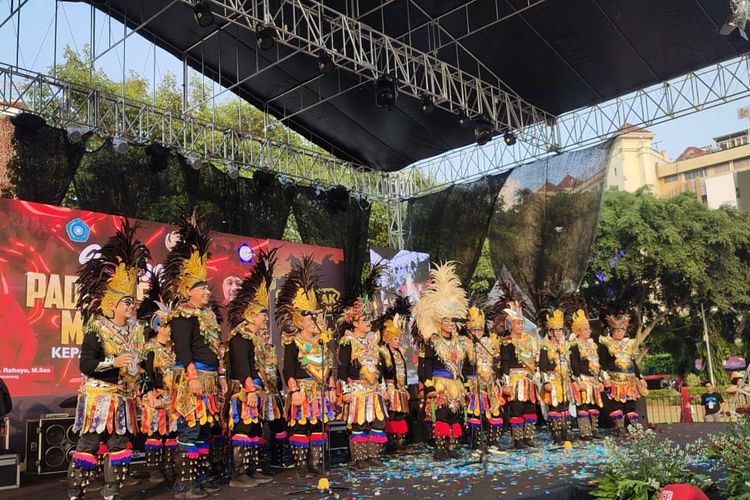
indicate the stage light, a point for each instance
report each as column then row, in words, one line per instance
column 463, row 119
column 195, row 162
column 428, row 105
column 386, row 93
column 232, row 170
column 157, row 156
column 266, row 36
column 739, row 18
column 509, row 138
column 202, row 13
column 75, row 134
column 120, row 145
column 483, row 131
column 325, row 63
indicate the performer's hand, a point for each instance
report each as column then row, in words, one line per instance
column 332, row 396
column 297, row 398
column 252, row 400
column 346, row 398
column 123, row 360
column 548, row 387
column 153, row 401
column 506, row 391
column 223, row 385
column 196, row 389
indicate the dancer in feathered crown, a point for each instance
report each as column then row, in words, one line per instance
column 307, row 366
column 554, row 365
column 482, row 371
column 586, row 371
column 199, row 375
column 393, row 362
column 442, row 302
column 359, row 373
column 622, row 379
column 111, row 352
column 255, row 380
column 156, row 421
column 520, row 355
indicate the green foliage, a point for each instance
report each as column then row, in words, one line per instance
column 661, row 363
column 641, row 470
column 484, row 276
column 693, row 380
column 733, row 451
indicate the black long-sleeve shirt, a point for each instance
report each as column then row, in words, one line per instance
column 578, row 365
column 92, row 353
column 292, row 367
column 189, row 344
column 508, row 358
column 242, row 358
column 388, row 362
column 546, row 365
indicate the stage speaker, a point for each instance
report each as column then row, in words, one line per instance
column 10, row 472
column 50, row 443
column 338, row 443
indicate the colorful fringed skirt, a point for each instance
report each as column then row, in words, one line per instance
column 588, row 391
column 398, row 399
column 103, row 408
column 196, row 410
column 314, row 407
column 366, row 405
column 522, row 387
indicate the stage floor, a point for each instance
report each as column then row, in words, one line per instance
column 544, row 473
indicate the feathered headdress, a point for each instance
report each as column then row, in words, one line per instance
column 112, row 274
column 153, row 309
column 298, row 296
column 187, row 264
column 443, row 298
column 475, row 316
column 252, row 296
column 621, row 321
column 358, row 304
column 392, row 322
column 556, row 321
column 579, row 321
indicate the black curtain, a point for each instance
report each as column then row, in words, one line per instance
column 335, row 219
column 544, row 225
column 43, row 162
column 452, row 224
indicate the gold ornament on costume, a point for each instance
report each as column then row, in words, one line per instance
column 475, row 319
column 443, row 298
column 391, row 329
column 579, row 321
column 187, row 263
column 252, row 297
column 618, row 322
column 194, row 272
column 298, row 298
column 393, row 321
column 122, row 284
column 556, row 321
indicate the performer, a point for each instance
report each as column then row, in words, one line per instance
column 199, row 376
column 360, row 376
column 520, row 354
column 554, row 365
column 444, row 357
column 393, row 363
column 585, row 368
column 111, row 352
column 255, row 397
column 307, row 366
column 483, row 368
column 156, row 421
column 622, row 379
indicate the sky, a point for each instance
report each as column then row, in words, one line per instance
column 37, row 52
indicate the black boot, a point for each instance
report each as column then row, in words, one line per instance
column 113, row 475
column 168, row 453
column 78, row 481
column 441, row 448
column 528, row 435
column 584, row 426
column 516, row 431
column 185, row 474
column 300, row 461
column 373, row 454
column 240, row 478
column 315, row 460
column 260, row 477
column 594, row 426
column 204, row 480
column 358, row 450
column 153, row 464
column 555, row 429
column 453, row 446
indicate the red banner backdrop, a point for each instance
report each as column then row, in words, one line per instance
column 41, row 247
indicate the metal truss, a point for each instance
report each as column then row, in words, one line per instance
column 712, row 86
column 311, row 27
column 64, row 104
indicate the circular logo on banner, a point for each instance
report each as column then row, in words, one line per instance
column 246, row 253
column 78, row 231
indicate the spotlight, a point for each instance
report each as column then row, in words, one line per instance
column 266, row 36
column 482, row 131
column 325, row 63
column 428, row 105
column 75, row 134
column 386, row 93
column 202, row 14
column 463, row 119
column 509, row 138
column 739, row 18
column 232, row 170
column 158, row 156
column 120, row 145
column 195, row 162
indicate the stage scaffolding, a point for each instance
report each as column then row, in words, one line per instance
column 310, row 27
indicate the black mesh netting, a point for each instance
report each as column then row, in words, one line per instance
column 257, row 206
column 452, row 224
column 125, row 184
column 42, row 165
column 545, row 222
column 335, row 219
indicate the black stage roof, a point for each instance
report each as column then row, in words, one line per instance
column 559, row 55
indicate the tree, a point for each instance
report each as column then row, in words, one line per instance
column 662, row 258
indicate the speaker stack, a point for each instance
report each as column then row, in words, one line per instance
column 50, row 443
column 338, row 443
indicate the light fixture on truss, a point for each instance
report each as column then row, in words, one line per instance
column 738, row 19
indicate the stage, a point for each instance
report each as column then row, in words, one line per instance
column 542, row 473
